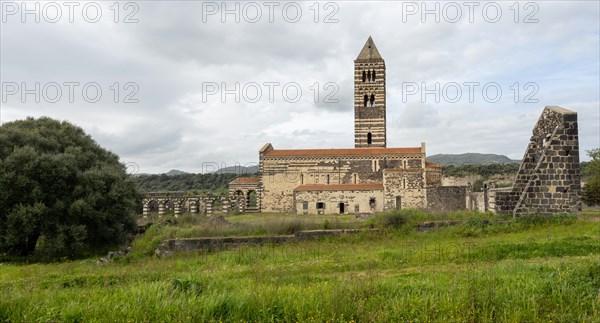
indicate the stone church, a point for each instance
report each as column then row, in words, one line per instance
column 367, row 178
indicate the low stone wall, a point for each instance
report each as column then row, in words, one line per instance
column 219, row 243
column 447, row 198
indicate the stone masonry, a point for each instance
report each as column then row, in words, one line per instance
column 548, row 180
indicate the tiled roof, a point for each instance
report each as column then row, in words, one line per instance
column 432, row 165
column 339, row 187
column 343, row 152
column 245, row 180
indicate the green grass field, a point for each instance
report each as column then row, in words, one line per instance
column 535, row 269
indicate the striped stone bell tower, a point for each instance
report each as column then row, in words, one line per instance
column 369, row 98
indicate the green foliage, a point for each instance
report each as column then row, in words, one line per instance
column 469, row 158
column 478, row 185
column 591, row 191
column 61, row 194
column 194, row 183
column 188, row 285
column 547, row 273
column 484, row 170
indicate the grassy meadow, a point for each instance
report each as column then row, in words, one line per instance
column 485, row 269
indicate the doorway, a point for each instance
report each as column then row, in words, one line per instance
column 342, row 208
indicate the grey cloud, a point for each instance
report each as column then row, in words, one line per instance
column 170, row 52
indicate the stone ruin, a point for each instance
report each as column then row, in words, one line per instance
column 179, row 203
column 549, row 178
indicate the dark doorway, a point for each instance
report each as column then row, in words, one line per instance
column 398, row 203
column 342, row 208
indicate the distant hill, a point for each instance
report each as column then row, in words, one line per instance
column 240, row 170
column 470, row 158
column 175, row 172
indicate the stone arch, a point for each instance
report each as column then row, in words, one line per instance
column 239, row 200
column 252, row 200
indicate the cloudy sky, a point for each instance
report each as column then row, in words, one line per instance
column 187, row 84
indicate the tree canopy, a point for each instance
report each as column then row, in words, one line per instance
column 591, row 172
column 61, row 194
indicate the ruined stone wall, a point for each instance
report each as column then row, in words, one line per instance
column 239, row 197
column 280, row 175
column 407, row 184
column 433, row 177
column 354, row 201
column 447, row 198
column 548, row 180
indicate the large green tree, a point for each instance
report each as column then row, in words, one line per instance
column 591, row 191
column 61, row 194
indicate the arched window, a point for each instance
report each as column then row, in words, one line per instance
column 327, row 179
column 373, row 76
column 369, row 138
column 354, row 179
column 301, row 179
column 366, row 99
column 372, row 100
column 369, row 76
column 404, row 183
column 364, row 76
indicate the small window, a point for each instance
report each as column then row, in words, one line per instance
column 369, row 138
column 366, row 100
column 369, row 76
column 372, row 100
column 372, row 202
column 301, row 179
column 320, row 205
column 373, row 78
column 305, row 206
column 364, row 76
column 327, row 179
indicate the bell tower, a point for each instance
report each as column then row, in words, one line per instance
column 369, row 98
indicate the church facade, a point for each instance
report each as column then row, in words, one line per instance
column 365, row 179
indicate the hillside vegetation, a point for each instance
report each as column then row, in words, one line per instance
column 470, row 158
column 197, row 183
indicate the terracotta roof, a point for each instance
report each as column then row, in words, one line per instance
column 339, row 187
column 343, row 152
column 245, row 180
column 432, row 165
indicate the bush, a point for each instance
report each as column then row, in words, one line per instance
column 61, row 194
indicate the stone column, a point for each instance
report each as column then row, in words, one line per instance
column 193, row 206
column 161, row 207
column 177, row 207
column 209, row 207
column 225, row 206
column 146, row 208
